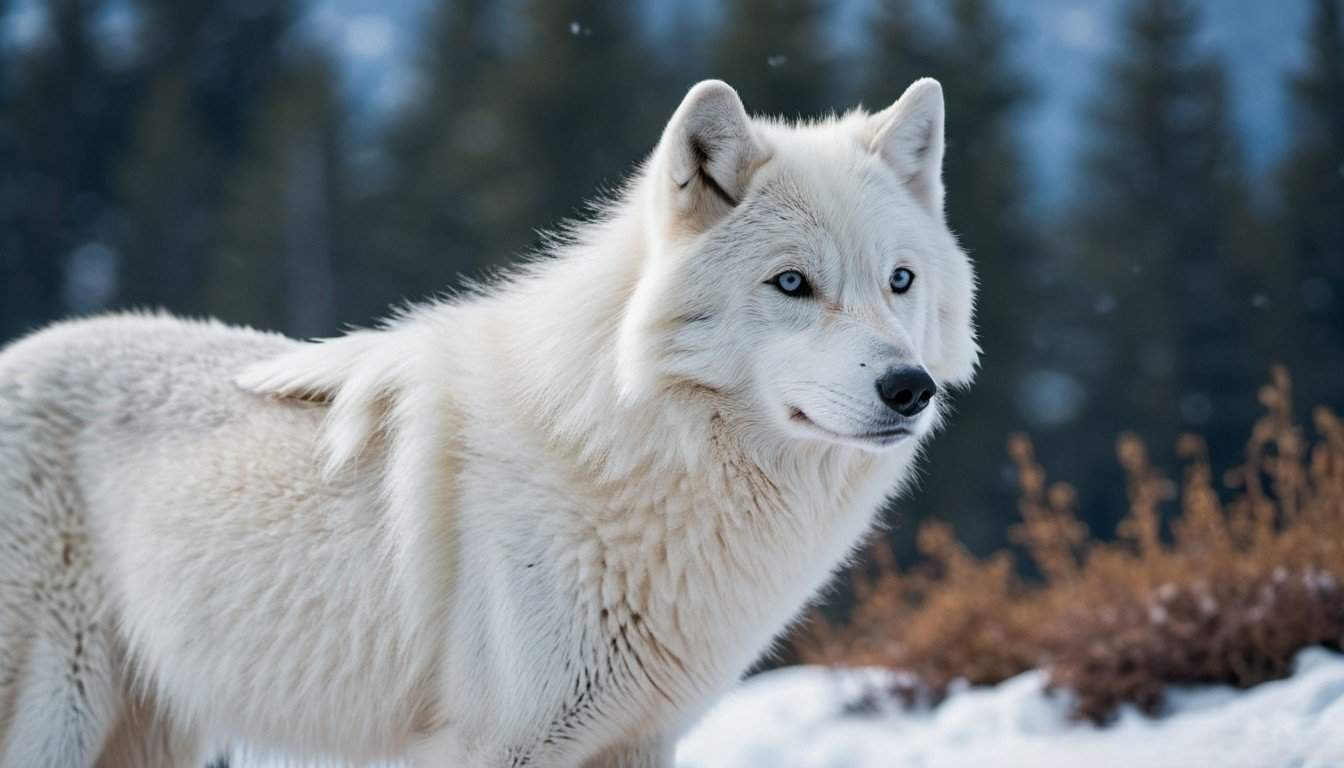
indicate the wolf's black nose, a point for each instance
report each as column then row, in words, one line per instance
column 906, row 391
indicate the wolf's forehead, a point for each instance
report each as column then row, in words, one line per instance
column 843, row 201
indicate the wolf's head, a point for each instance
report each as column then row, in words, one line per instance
column 805, row 271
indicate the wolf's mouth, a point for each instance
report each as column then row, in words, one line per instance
column 883, row 436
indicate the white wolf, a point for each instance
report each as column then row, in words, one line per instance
column 542, row 525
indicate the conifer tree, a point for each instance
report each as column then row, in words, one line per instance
column 431, row 211
column 227, row 51
column 897, row 49
column 280, row 214
column 206, row 65
column 64, row 120
column 779, row 55
column 10, row 189
column 166, row 188
column 5, row 54
column 580, row 104
column 1163, row 233
column 1313, row 189
column 524, row 116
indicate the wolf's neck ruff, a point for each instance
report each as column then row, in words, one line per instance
column 695, row 533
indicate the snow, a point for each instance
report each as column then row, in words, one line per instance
column 796, row 718
column 802, row 717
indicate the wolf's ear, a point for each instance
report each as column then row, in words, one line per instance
column 909, row 136
column 708, row 153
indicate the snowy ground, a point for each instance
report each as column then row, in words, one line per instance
column 796, row 718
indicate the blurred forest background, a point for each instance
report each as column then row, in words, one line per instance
column 211, row 157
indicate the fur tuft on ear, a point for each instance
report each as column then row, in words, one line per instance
column 708, row 152
column 909, row 136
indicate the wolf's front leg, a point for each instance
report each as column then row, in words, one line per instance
column 651, row 753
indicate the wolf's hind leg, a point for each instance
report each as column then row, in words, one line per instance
column 66, row 701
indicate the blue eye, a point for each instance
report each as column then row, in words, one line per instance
column 901, row 280
column 791, row 283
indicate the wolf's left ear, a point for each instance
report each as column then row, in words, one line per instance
column 708, row 153
column 909, row 136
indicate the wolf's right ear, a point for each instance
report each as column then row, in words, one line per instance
column 909, row 136
column 708, row 153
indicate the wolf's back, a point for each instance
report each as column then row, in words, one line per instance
column 129, row 364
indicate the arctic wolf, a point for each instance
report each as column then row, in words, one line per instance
column 545, row 524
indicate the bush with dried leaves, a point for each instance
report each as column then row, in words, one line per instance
column 1225, row 593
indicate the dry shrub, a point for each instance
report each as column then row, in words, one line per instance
column 1226, row 593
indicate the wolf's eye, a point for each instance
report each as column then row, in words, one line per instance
column 901, row 280
column 791, row 283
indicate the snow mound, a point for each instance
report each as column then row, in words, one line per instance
column 802, row 717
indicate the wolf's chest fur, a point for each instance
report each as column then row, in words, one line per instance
column 653, row 592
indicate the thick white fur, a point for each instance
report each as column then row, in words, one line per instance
column 544, row 525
